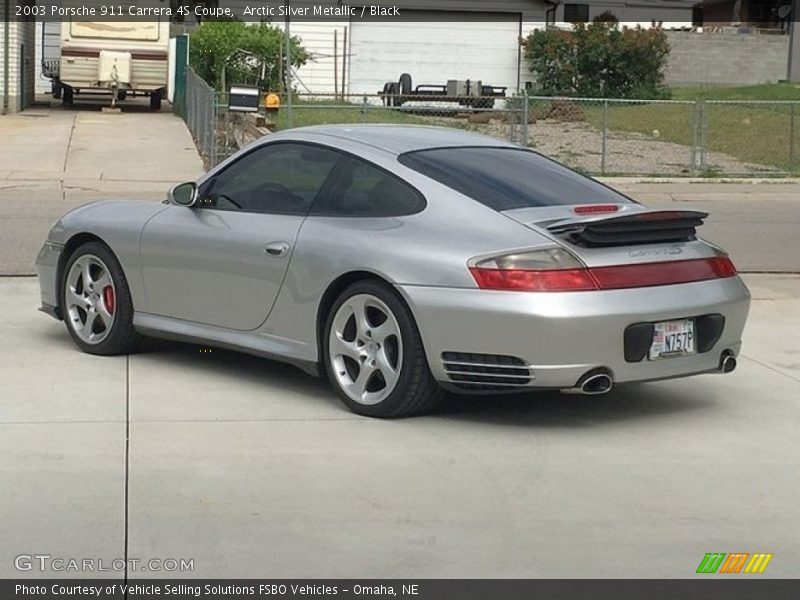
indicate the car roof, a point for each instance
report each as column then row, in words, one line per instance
column 398, row 139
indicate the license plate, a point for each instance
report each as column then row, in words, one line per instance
column 672, row 338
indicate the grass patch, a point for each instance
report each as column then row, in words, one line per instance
column 769, row 91
column 328, row 112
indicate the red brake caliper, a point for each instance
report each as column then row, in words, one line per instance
column 109, row 299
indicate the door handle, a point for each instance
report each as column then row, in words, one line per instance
column 276, row 249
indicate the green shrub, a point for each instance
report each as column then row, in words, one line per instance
column 599, row 60
column 243, row 48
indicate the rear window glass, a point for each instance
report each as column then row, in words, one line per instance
column 508, row 178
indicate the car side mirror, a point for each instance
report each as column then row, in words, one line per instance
column 183, row 194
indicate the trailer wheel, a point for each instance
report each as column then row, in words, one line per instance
column 405, row 84
column 155, row 100
column 387, row 89
column 67, row 96
column 394, row 99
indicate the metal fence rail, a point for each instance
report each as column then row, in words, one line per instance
column 598, row 136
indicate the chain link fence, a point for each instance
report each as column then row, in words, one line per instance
column 506, row 117
column 597, row 136
column 668, row 138
column 201, row 114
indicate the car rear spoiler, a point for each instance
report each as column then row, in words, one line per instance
column 649, row 226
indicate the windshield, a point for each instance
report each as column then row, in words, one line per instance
column 508, row 178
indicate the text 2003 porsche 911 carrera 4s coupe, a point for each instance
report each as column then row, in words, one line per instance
column 401, row 261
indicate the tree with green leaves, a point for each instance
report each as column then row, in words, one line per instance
column 244, row 51
column 599, row 60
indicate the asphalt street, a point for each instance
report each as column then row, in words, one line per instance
column 249, row 467
column 757, row 222
column 52, row 160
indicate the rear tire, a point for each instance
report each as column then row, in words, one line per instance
column 96, row 302
column 373, row 354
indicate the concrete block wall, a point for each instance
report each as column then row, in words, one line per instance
column 725, row 58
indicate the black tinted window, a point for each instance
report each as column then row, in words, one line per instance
column 576, row 13
column 278, row 178
column 507, row 178
column 364, row 190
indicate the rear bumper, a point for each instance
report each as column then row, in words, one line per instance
column 561, row 336
column 81, row 72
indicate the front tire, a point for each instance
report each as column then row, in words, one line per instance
column 374, row 356
column 96, row 301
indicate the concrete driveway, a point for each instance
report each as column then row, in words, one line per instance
column 52, row 160
column 252, row 468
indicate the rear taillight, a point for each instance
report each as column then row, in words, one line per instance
column 550, row 270
column 558, row 280
column 557, row 270
column 662, row 273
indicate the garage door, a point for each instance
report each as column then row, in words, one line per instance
column 478, row 46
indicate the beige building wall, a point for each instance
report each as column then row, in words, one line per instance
column 21, row 64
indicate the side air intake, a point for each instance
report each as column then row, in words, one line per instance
column 486, row 372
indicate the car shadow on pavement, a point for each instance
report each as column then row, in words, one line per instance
column 638, row 401
column 545, row 409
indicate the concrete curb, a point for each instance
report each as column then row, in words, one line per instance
column 711, row 180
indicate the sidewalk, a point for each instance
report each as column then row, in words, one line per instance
column 52, row 160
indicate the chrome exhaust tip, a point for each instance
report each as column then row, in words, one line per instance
column 727, row 362
column 593, row 383
column 600, row 383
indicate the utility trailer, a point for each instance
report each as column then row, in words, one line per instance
column 465, row 92
column 113, row 56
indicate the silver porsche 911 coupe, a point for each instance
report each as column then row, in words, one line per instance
column 401, row 261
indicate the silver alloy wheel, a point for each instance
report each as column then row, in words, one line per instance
column 365, row 349
column 90, row 299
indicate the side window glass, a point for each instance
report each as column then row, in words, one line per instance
column 280, row 178
column 364, row 190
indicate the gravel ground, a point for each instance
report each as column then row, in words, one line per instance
column 579, row 145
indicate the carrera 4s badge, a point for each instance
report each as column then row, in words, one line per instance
column 674, row 249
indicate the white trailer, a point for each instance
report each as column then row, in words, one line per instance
column 113, row 56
